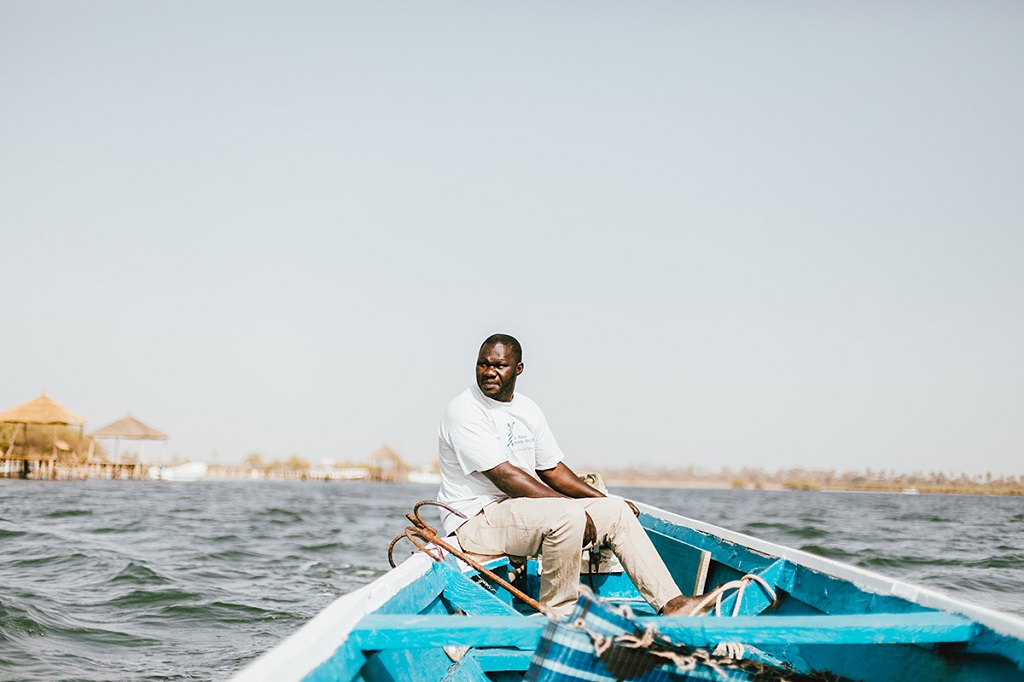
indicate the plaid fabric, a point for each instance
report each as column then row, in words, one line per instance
column 566, row 652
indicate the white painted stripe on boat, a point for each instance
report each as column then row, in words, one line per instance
column 1003, row 623
column 316, row 641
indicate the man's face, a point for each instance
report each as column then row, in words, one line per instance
column 496, row 370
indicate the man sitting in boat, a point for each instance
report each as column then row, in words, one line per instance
column 501, row 467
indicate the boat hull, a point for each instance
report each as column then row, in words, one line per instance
column 804, row 614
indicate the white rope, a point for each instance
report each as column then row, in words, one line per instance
column 733, row 650
column 718, row 594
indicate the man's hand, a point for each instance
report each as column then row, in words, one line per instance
column 633, row 507
column 590, row 532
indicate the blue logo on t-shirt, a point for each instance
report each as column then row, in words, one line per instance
column 513, row 439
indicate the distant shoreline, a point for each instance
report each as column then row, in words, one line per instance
column 923, row 489
column 798, row 480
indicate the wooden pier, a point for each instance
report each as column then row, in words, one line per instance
column 53, row 469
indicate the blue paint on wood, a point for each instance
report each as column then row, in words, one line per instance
column 614, row 586
column 386, row 632
column 729, row 560
column 492, row 660
column 466, row 594
column 344, row 665
column 847, row 629
column 467, row 669
column 737, row 557
column 781, row 656
column 500, row 567
column 417, row 595
column 821, row 592
column 988, row 641
column 755, row 598
column 381, row 632
column 900, row 663
column 834, row 595
column 476, row 665
column 404, row 665
column 687, row 564
column 533, row 578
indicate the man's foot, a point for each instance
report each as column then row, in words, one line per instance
column 680, row 606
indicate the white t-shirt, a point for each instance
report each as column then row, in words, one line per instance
column 477, row 434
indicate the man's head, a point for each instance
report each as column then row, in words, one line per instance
column 498, row 364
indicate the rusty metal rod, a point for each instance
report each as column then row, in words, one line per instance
column 428, row 534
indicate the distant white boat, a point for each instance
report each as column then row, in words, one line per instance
column 347, row 474
column 424, row 477
column 911, row 491
column 190, row 471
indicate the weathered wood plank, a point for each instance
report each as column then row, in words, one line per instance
column 736, row 557
column 836, row 595
column 415, row 632
column 400, row 665
column 418, row 595
column 917, row 628
column 343, row 665
column 493, row 660
column 475, row 665
column 383, row 632
column 465, row 593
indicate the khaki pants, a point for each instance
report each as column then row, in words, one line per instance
column 552, row 526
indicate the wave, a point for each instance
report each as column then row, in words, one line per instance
column 279, row 516
column 829, row 552
column 904, row 561
column 67, row 513
column 224, row 612
column 1002, row 561
column 19, row 623
column 801, row 532
column 15, row 621
column 137, row 574
column 324, row 546
column 137, row 598
column 75, row 558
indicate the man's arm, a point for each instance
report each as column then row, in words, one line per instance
column 515, row 482
column 565, row 481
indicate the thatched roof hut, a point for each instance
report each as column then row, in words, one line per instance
column 130, row 428
column 42, row 410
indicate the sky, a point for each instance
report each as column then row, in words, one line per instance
column 734, row 234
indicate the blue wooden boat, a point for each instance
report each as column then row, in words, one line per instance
column 776, row 613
